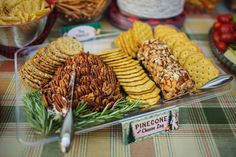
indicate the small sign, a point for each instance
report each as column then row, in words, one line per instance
column 150, row 125
column 82, row 32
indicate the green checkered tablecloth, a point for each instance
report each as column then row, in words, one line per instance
column 207, row 128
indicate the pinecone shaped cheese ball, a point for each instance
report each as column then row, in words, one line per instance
column 95, row 83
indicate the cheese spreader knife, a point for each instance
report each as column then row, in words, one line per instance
column 67, row 133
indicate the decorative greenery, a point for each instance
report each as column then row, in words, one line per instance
column 37, row 115
column 85, row 118
column 46, row 123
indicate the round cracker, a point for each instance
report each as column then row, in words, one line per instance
column 42, row 66
column 53, row 49
column 34, row 71
column 32, row 78
column 44, row 58
column 68, row 46
column 28, row 82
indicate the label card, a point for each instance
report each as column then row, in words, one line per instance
column 150, row 125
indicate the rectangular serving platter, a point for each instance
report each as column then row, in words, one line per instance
column 26, row 135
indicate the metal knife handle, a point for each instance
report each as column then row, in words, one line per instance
column 67, row 132
column 217, row 82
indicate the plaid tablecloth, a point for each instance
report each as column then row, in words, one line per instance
column 207, row 128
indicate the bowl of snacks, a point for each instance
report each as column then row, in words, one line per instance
column 74, row 11
column 21, row 22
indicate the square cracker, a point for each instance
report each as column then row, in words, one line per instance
column 192, row 59
column 202, row 71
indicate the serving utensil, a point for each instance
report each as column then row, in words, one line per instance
column 67, row 132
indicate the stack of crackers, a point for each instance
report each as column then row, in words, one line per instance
column 131, row 40
column 131, row 76
column 188, row 54
column 39, row 69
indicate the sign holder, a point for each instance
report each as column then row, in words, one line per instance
column 150, row 125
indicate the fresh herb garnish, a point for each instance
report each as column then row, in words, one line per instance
column 47, row 123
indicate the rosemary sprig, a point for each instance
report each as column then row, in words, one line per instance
column 38, row 117
column 84, row 119
column 46, row 123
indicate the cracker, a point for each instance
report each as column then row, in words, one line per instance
column 176, row 36
column 148, row 90
column 26, row 72
column 119, row 60
column 115, row 55
column 68, row 46
column 128, row 44
column 135, row 72
column 43, row 57
column 150, row 101
column 52, row 58
column 122, row 69
column 185, row 46
column 132, row 41
column 28, row 82
column 125, row 64
column 32, row 78
column 192, row 59
column 134, row 83
column 130, row 76
column 133, row 79
column 161, row 30
column 153, row 94
column 153, row 101
column 53, row 49
column 184, row 54
column 172, row 43
column 50, row 52
column 142, row 88
column 34, row 71
column 120, row 39
column 109, row 52
column 41, row 65
column 202, row 71
column 141, row 32
column 160, row 35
